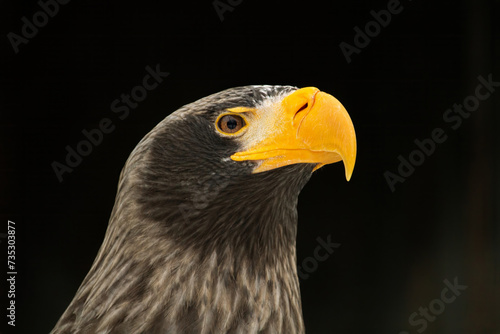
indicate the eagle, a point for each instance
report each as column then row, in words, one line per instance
column 202, row 235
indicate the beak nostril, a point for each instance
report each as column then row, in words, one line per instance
column 298, row 119
column 303, row 107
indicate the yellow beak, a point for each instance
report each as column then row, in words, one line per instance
column 310, row 126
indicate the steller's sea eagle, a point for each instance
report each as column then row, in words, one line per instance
column 202, row 234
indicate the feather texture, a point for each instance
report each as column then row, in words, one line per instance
column 196, row 243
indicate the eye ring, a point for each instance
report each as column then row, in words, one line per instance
column 230, row 124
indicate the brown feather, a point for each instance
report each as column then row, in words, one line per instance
column 196, row 243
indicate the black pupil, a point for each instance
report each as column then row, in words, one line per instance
column 232, row 124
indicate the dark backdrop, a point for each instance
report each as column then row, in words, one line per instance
column 396, row 249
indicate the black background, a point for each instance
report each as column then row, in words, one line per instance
column 396, row 247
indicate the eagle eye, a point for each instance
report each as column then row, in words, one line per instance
column 230, row 123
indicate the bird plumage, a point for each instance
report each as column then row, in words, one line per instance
column 196, row 242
